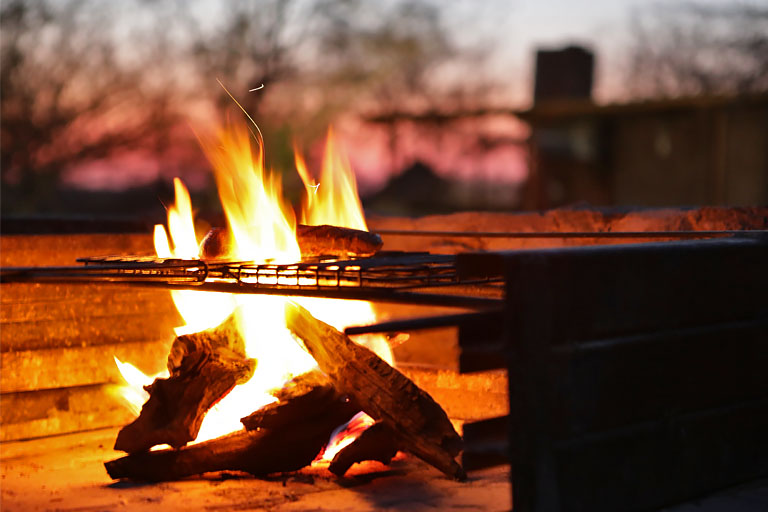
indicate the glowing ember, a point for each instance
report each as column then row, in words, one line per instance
column 345, row 434
column 263, row 228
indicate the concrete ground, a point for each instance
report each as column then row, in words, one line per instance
column 66, row 473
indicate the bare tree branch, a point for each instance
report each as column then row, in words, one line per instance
column 699, row 49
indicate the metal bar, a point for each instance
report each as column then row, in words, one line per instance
column 572, row 234
column 390, row 295
column 485, row 455
column 486, row 443
column 577, row 348
column 488, row 283
column 663, row 423
column 355, row 293
column 430, row 322
column 101, row 272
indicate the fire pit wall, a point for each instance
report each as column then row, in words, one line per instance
column 440, row 347
column 58, row 341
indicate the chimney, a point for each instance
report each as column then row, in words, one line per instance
column 565, row 73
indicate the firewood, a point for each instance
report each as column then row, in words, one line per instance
column 217, row 244
column 308, row 395
column 276, row 444
column 203, row 367
column 336, row 241
column 419, row 424
column 376, row 442
column 313, row 241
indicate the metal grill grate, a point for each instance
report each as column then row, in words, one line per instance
column 388, row 276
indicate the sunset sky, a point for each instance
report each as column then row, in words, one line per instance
column 507, row 31
column 511, row 31
column 516, row 28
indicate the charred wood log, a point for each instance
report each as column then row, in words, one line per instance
column 203, row 367
column 418, row 423
column 313, row 241
column 277, row 441
column 218, row 243
column 308, row 395
column 377, row 442
column 259, row 452
column 336, row 241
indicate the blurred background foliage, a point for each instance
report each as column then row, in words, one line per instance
column 87, row 83
column 696, row 49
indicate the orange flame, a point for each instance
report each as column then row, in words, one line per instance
column 182, row 234
column 334, row 200
column 260, row 221
column 263, row 228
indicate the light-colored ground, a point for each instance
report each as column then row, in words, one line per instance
column 66, row 473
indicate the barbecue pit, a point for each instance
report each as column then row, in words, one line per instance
column 556, row 288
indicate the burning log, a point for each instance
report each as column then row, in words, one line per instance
column 377, row 442
column 417, row 422
column 306, row 396
column 313, row 241
column 203, row 367
column 259, row 452
column 283, row 436
column 336, row 241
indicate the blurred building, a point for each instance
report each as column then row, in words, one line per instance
column 683, row 151
column 418, row 190
column 563, row 74
column 686, row 151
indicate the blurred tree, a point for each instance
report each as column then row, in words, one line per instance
column 699, row 49
column 84, row 80
column 251, row 45
column 320, row 59
column 388, row 65
column 67, row 98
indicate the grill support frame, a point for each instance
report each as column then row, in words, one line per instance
column 636, row 383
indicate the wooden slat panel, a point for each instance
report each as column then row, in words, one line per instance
column 624, row 381
column 666, row 462
column 438, row 348
column 18, row 294
column 46, row 316
column 106, row 305
column 567, row 299
column 486, row 443
column 482, row 342
column 464, row 397
column 624, row 289
column 482, row 357
column 604, row 292
column 85, row 331
column 64, row 367
column 48, row 250
column 58, row 340
column 528, row 324
column 42, row 413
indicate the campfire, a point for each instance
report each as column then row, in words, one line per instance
column 262, row 383
column 632, row 344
